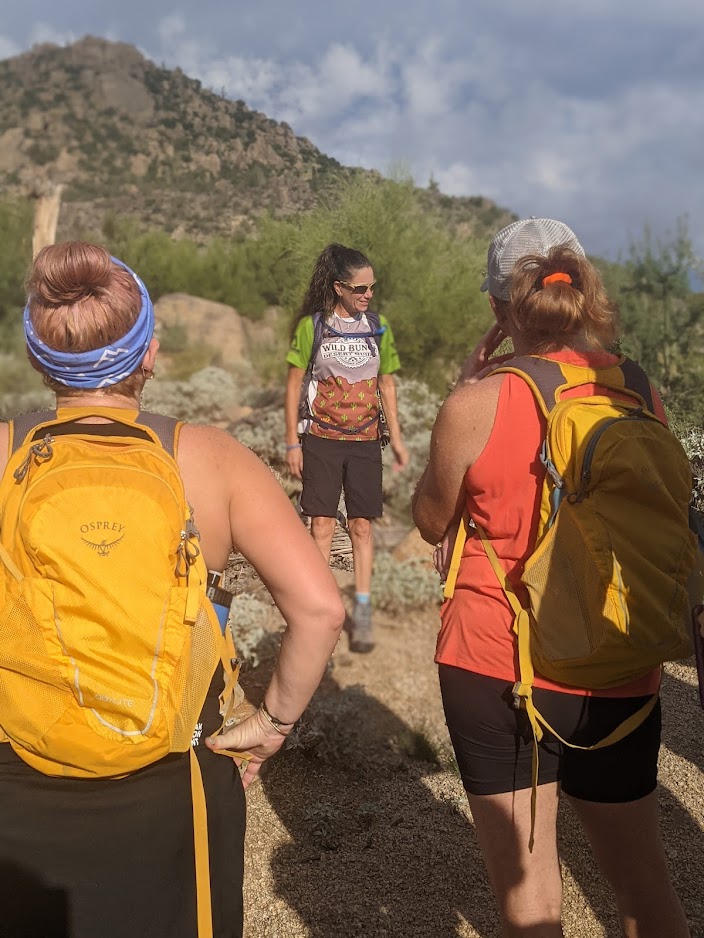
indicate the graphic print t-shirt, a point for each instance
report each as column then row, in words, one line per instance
column 343, row 392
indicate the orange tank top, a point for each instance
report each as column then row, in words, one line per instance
column 503, row 490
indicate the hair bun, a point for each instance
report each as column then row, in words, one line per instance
column 66, row 273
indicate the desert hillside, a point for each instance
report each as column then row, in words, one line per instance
column 128, row 137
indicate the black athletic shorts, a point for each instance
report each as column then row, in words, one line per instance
column 113, row 858
column 493, row 742
column 331, row 466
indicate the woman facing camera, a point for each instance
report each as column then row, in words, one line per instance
column 513, row 730
column 340, row 394
column 112, row 690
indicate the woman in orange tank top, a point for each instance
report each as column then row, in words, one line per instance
column 550, row 301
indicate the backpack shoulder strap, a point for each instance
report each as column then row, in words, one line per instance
column 635, row 379
column 318, row 330
column 375, row 325
column 543, row 375
column 168, row 429
column 548, row 378
column 22, row 425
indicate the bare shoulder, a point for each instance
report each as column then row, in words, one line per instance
column 204, row 442
column 206, row 452
column 477, row 399
column 466, row 419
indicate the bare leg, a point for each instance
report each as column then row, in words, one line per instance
column 527, row 886
column 626, row 841
column 322, row 530
column 362, row 537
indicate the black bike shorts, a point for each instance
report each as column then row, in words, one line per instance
column 493, row 742
column 331, row 466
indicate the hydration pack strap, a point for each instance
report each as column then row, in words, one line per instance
column 348, row 432
column 320, row 327
column 200, row 845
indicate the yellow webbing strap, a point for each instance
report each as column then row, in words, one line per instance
column 10, row 564
column 200, row 844
column 230, row 695
column 194, row 598
column 457, row 548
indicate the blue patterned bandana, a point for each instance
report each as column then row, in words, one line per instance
column 101, row 367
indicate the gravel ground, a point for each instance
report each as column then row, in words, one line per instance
column 362, row 827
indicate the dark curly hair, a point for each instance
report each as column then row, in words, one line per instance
column 335, row 262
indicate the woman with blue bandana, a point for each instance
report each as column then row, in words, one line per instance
column 114, row 857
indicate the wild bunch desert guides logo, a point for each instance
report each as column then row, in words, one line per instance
column 351, row 352
column 102, row 536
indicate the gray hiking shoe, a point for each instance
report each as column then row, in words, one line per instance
column 360, row 628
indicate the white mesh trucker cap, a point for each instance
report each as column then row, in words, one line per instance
column 529, row 236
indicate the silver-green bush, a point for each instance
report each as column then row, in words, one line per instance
column 249, row 618
column 206, row 397
column 404, row 584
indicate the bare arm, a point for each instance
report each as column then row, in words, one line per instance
column 387, row 392
column 294, row 457
column 462, row 429
column 265, row 528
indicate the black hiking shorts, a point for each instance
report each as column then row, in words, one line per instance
column 333, row 466
column 493, row 742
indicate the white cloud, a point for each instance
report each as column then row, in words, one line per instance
column 597, row 115
column 45, row 32
column 488, row 118
column 8, row 48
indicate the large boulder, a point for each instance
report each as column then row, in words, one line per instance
column 218, row 325
column 205, row 322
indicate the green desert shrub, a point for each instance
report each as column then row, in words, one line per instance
column 417, row 409
column 400, row 585
column 249, row 618
column 265, row 433
column 206, row 397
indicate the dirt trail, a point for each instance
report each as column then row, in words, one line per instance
column 363, row 829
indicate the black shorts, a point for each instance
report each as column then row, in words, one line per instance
column 493, row 742
column 331, row 466
column 56, row 879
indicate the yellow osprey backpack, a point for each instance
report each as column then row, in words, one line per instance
column 608, row 578
column 108, row 642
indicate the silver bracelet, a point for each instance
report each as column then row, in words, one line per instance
column 276, row 723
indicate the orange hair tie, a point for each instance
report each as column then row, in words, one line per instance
column 554, row 278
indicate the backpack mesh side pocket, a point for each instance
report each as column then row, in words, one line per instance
column 191, row 678
column 33, row 693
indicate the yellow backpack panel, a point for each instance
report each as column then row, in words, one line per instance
column 108, row 643
column 107, row 640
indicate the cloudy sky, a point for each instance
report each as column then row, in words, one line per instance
column 592, row 112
